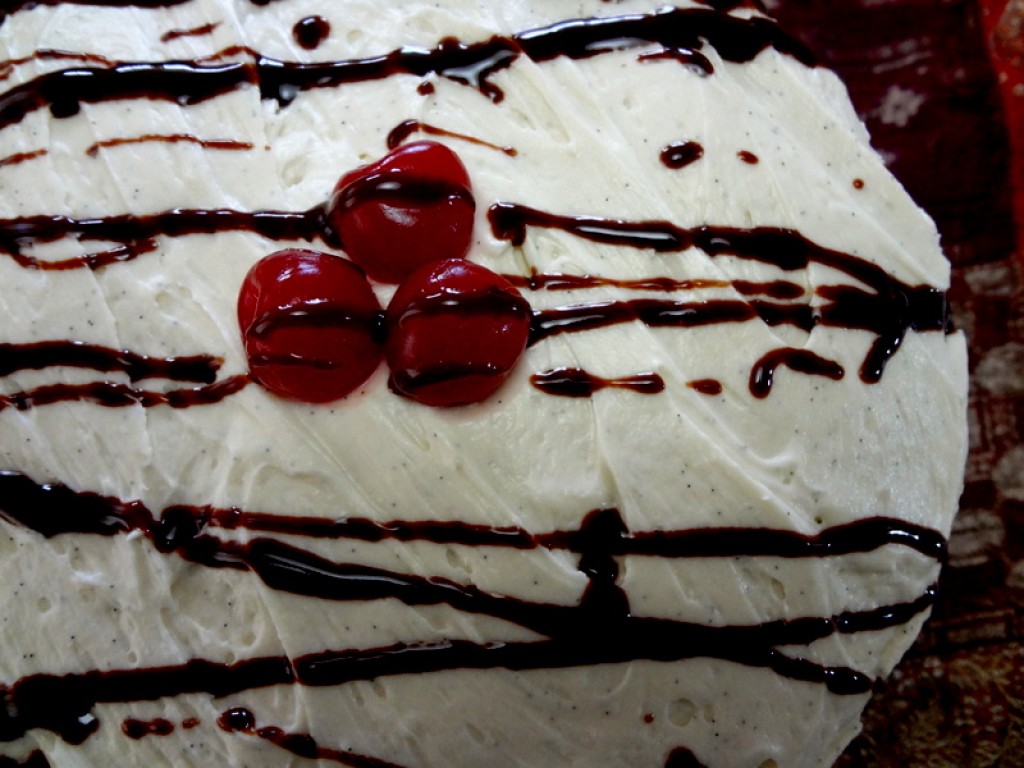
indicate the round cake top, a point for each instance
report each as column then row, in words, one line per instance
column 359, row 362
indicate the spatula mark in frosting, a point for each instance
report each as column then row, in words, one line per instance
column 472, row 64
column 600, row 629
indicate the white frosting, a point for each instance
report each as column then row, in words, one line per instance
column 814, row 454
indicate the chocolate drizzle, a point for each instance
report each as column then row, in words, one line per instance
column 472, row 64
column 407, row 128
column 710, row 387
column 600, row 629
column 172, row 138
column 115, row 395
column 681, row 757
column 537, row 281
column 21, row 157
column 241, row 720
column 575, row 382
column 77, row 354
column 762, row 376
column 199, row 31
column 135, row 235
column 889, row 309
column 35, row 759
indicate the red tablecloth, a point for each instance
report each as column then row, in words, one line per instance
column 940, row 84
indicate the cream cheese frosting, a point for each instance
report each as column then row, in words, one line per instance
column 705, row 512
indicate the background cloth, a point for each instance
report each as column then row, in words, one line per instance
column 940, row 84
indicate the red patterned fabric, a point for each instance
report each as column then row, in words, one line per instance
column 940, row 84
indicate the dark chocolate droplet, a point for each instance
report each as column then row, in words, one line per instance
column 682, row 154
column 688, row 57
column 681, row 757
column 311, row 31
column 237, row 719
column 706, row 386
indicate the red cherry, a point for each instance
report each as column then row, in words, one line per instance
column 412, row 207
column 311, row 325
column 455, row 331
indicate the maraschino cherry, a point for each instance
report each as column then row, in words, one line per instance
column 410, row 208
column 311, row 325
column 455, row 330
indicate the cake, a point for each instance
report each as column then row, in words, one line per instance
column 424, row 385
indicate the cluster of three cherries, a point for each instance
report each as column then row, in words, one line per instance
column 312, row 325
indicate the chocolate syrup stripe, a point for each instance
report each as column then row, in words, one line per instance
column 46, row 354
column 187, row 82
column 53, row 509
column 116, row 395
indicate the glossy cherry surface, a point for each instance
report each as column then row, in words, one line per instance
column 310, row 324
column 412, row 207
column 455, row 332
